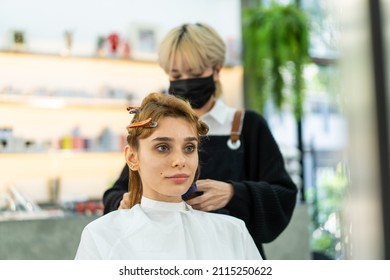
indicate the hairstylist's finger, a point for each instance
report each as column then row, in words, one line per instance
column 125, row 202
column 197, row 200
column 204, row 184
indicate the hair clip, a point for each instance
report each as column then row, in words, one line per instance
column 132, row 109
column 146, row 123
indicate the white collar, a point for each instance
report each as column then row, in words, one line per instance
column 151, row 204
column 219, row 112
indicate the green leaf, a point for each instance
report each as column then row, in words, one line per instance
column 275, row 37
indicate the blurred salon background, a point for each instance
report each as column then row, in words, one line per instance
column 316, row 69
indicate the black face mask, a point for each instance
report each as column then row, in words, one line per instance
column 197, row 91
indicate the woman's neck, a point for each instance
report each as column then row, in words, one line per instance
column 206, row 108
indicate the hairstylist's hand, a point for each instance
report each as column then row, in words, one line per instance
column 216, row 195
column 125, row 202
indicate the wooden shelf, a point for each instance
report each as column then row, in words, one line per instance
column 61, row 154
column 85, row 175
column 152, row 62
column 78, row 57
column 43, row 101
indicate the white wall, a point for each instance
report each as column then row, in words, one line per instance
column 45, row 21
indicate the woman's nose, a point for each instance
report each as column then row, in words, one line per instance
column 185, row 76
column 178, row 160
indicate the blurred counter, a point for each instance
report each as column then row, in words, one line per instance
column 42, row 237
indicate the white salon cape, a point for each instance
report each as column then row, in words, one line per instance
column 161, row 230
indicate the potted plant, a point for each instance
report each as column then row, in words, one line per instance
column 276, row 44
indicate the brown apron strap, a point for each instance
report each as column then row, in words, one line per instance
column 235, row 132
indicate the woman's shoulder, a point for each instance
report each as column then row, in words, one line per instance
column 220, row 219
column 115, row 221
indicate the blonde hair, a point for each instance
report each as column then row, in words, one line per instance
column 198, row 45
column 158, row 106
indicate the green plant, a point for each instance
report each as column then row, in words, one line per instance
column 326, row 202
column 276, row 44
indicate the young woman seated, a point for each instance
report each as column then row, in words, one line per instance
column 162, row 155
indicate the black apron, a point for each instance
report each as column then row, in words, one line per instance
column 221, row 157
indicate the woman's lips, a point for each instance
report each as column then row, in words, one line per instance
column 179, row 178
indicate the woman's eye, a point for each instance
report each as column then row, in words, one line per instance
column 162, row 148
column 190, row 148
column 174, row 75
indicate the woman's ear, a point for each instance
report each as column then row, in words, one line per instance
column 131, row 156
column 217, row 69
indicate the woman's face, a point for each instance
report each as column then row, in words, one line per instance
column 184, row 71
column 167, row 160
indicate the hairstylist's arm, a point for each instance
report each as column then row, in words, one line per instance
column 112, row 198
column 216, row 195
